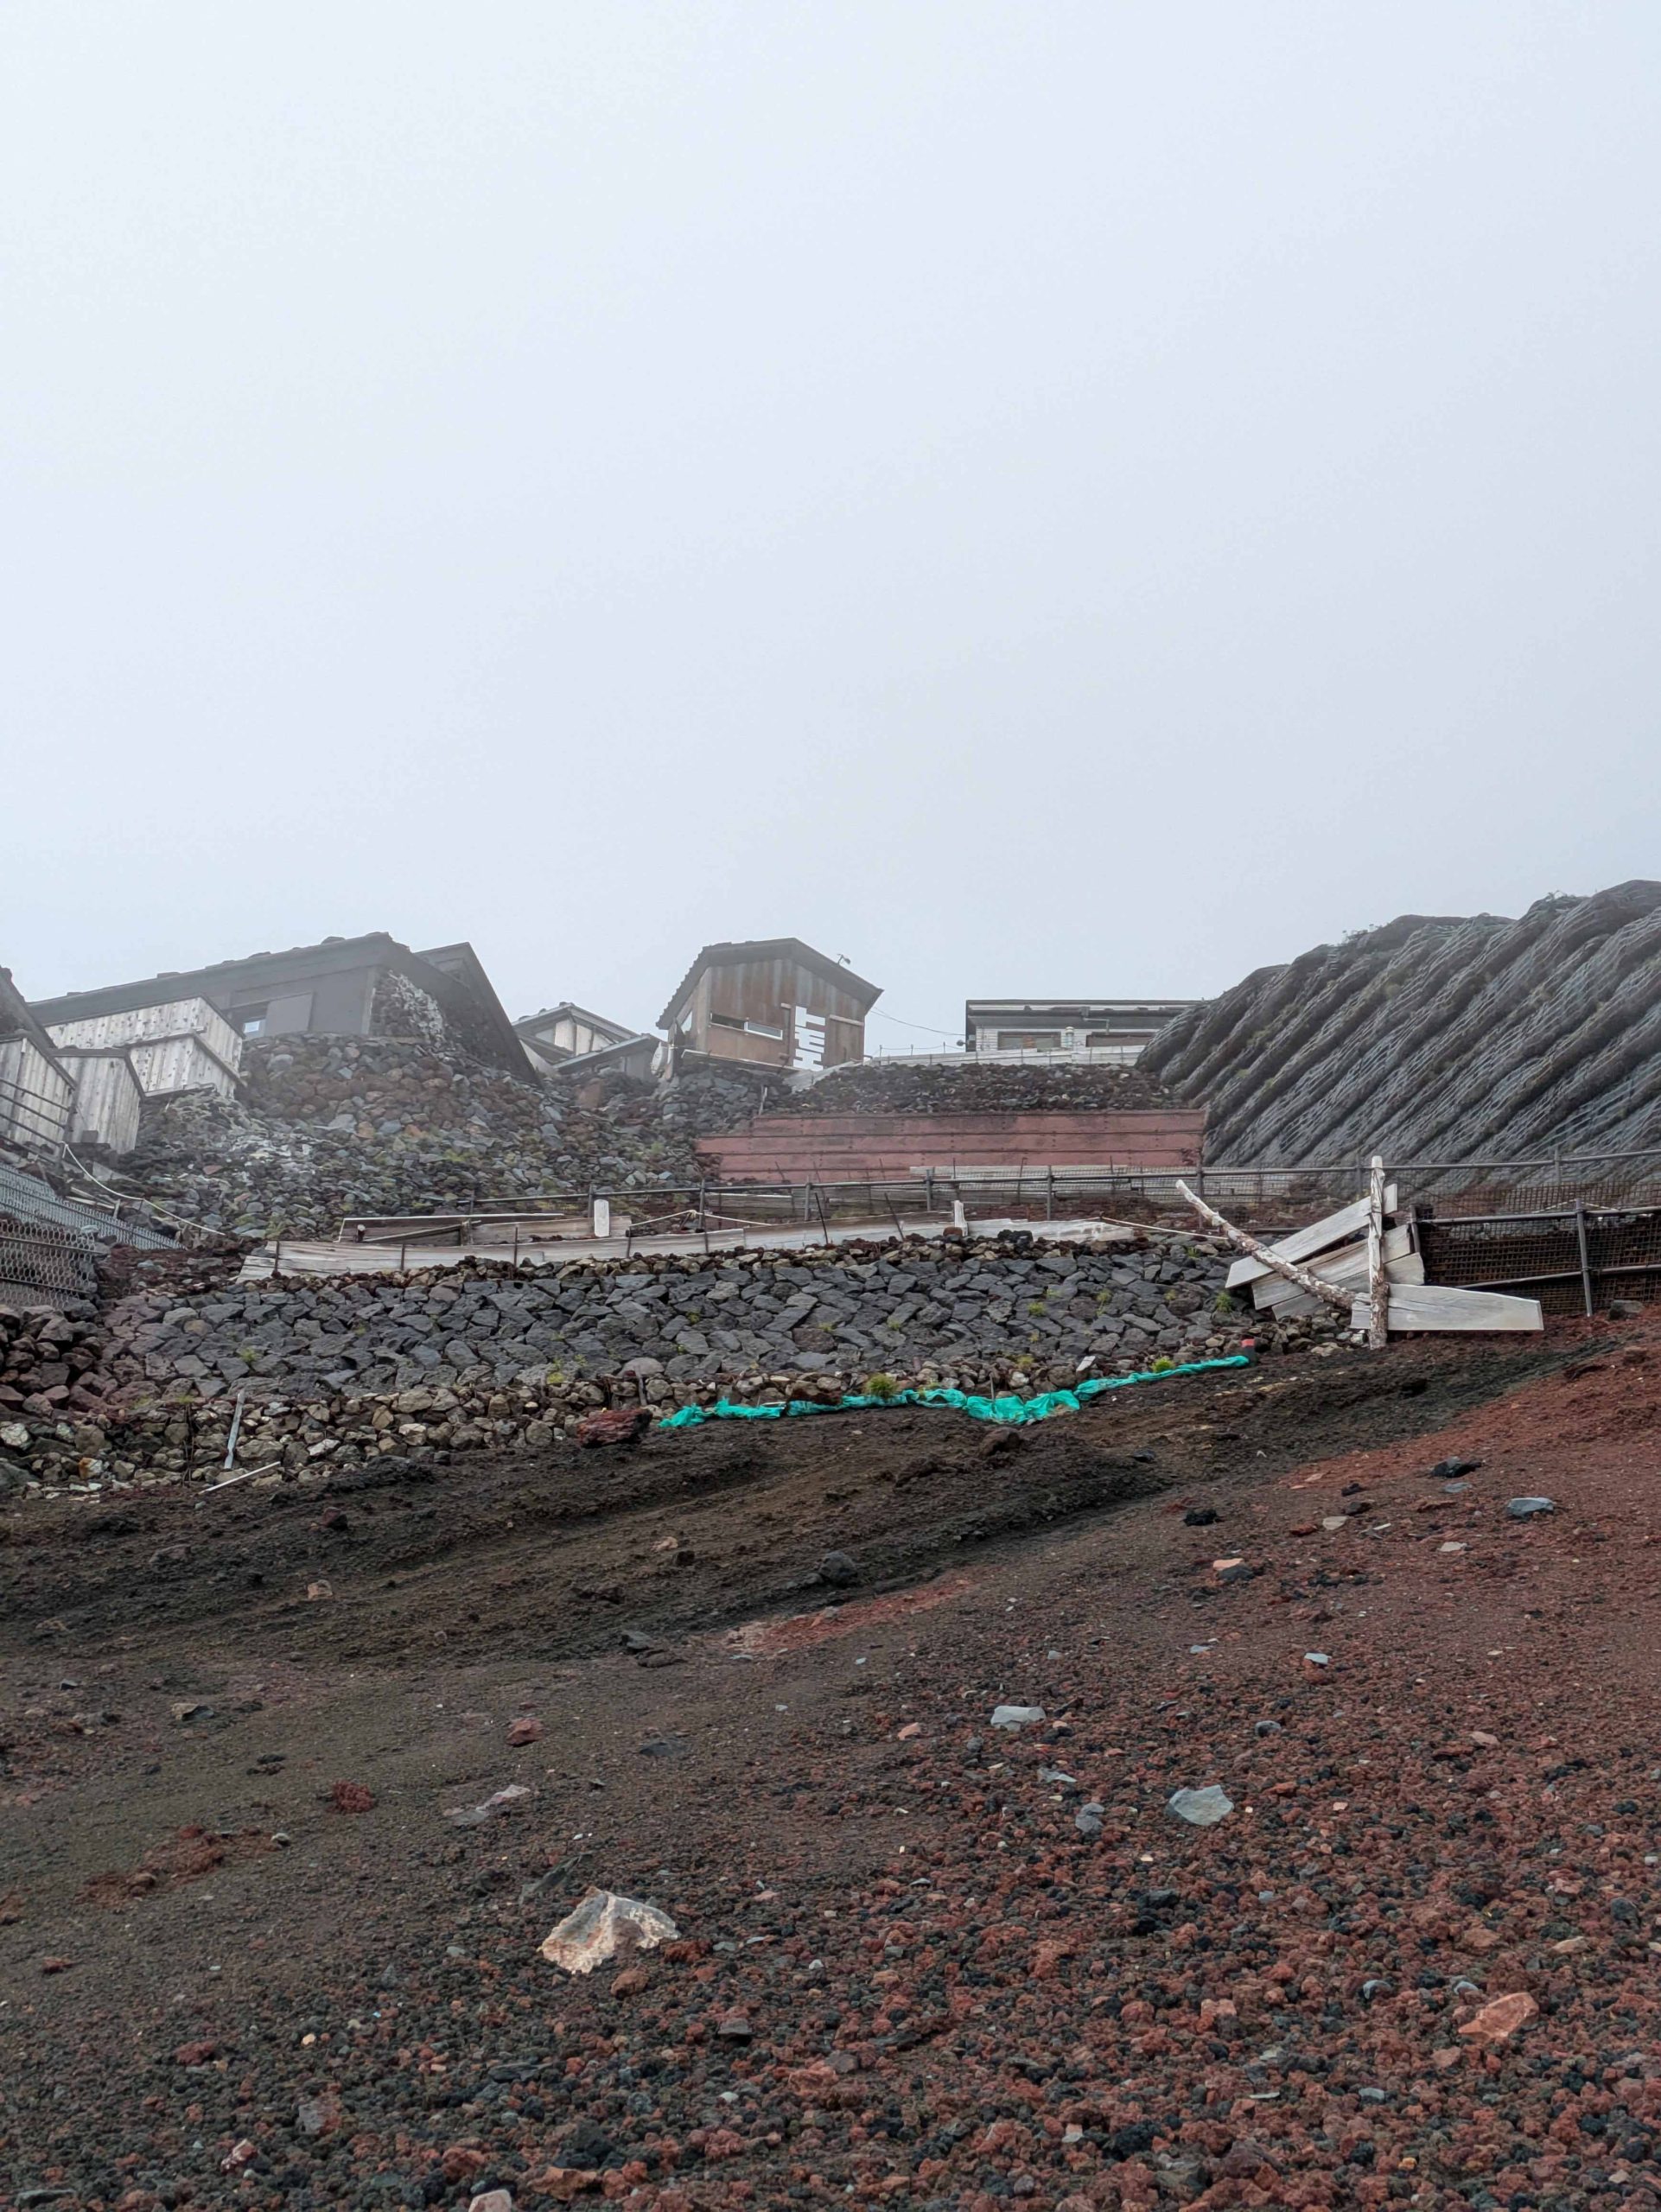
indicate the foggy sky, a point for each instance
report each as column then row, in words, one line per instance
column 1030, row 497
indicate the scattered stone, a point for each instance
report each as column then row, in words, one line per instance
column 1267, row 1728
column 1525, row 1509
column 1498, row 2022
column 526, row 1730
column 1017, row 1716
column 601, row 1926
column 499, row 1801
column 614, row 1426
column 1088, row 1818
column 838, row 1570
column 352, row 1798
column 494, row 2200
column 1200, row 1516
column 1201, row 1808
column 1447, row 1470
column 1232, row 1570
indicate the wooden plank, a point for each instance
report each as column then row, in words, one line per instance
column 1346, row 1269
column 1438, row 1305
column 1335, row 1228
column 1408, row 1270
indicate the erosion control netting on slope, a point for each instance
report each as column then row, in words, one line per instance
column 1438, row 1038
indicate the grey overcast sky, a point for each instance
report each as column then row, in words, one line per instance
column 1029, row 496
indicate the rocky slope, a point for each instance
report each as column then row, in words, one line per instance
column 1438, row 1038
column 966, row 1087
column 336, row 1125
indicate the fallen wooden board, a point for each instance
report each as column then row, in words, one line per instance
column 1440, row 1306
column 1346, row 1269
column 1410, row 1270
column 1336, row 1228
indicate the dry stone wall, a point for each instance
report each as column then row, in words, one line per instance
column 969, row 1086
column 842, row 1311
column 491, row 1357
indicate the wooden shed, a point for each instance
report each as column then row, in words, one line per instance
column 772, row 1002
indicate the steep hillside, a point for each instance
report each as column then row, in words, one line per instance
column 1438, row 1038
column 332, row 1125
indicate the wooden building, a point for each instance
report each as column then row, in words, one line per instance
column 368, row 986
column 567, row 1031
column 771, row 1003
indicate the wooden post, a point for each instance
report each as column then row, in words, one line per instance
column 1377, row 1278
column 1586, row 1256
column 1249, row 1245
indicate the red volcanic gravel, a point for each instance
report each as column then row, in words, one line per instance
column 919, row 1963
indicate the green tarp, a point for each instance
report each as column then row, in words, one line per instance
column 1012, row 1411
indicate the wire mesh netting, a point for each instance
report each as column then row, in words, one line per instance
column 1573, row 1261
column 44, row 1264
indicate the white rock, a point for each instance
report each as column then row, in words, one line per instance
column 1017, row 1716
column 1201, row 1808
column 601, row 1926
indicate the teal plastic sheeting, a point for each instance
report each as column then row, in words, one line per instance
column 1012, row 1411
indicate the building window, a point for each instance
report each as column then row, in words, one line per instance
column 1030, row 1040
column 749, row 1028
column 249, row 1021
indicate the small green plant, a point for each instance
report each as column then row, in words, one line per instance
column 1162, row 1365
column 881, row 1386
column 1224, row 1302
column 555, row 1375
column 1035, row 1306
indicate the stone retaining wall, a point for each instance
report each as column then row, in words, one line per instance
column 488, row 1358
column 845, row 1311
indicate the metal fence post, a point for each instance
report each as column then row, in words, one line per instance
column 1585, row 1257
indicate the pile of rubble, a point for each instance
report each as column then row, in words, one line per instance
column 970, row 1086
column 335, row 1125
